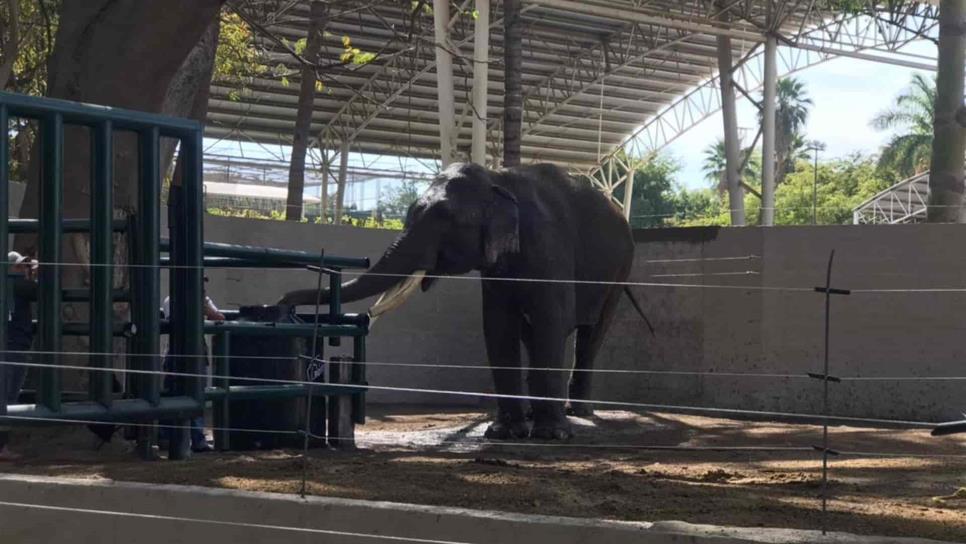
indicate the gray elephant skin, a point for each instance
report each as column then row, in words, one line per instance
column 551, row 252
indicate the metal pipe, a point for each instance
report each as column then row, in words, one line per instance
column 27, row 226
column 149, row 198
column 33, row 107
column 481, row 73
column 222, row 410
column 4, row 237
column 358, row 376
column 274, row 392
column 51, row 211
column 768, row 136
column 730, row 117
column 121, row 411
column 102, row 257
column 444, row 82
column 303, row 330
column 193, row 288
column 277, row 256
column 335, row 304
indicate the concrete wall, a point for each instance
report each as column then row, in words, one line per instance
column 39, row 510
column 700, row 329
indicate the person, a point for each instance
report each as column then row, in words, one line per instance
column 199, row 444
column 19, row 324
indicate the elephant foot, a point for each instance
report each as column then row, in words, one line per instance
column 507, row 430
column 581, row 409
column 557, row 430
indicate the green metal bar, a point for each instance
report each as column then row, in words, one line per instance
column 275, row 392
column 117, row 329
column 51, row 211
column 222, row 410
column 335, row 302
column 359, row 320
column 28, row 226
column 303, row 330
column 102, row 259
column 84, row 295
column 149, row 199
column 4, row 236
column 193, row 288
column 19, row 105
column 234, row 262
column 121, row 411
column 357, row 375
column 266, row 254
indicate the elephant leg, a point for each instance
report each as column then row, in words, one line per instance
column 589, row 340
column 501, row 329
column 549, row 419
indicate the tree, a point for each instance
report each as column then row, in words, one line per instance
column 715, row 163
column 909, row 151
column 303, row 116
column 513, row 86
column 842, row 185
column 949, row 140
column 791, row 114
column 394, row 202
column 653, row 200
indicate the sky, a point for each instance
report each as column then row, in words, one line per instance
column 847, row 93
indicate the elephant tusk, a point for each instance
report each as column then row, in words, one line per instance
column 395, row 296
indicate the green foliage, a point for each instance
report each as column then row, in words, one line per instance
column 37, row 28
column 842, row 185
column 237, row 61
column 277, row 215
column 910, row 150
column 715, row 161
column 353, row 55
column 394, row 202
column 653, row 199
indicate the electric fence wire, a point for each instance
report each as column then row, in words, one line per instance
column 487, row 395
column 486, row 367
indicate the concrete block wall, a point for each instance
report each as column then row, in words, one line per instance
column 707, row 329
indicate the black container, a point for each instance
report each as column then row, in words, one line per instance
column 276, row 358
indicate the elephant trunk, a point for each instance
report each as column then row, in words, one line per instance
column 407, row 255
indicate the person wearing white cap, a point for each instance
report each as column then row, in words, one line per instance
column 19, row 323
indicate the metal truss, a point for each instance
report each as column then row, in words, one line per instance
column 874, row 35
column 904, row 202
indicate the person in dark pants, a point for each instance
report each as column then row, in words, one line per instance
column 20, row 336
column 199, row 444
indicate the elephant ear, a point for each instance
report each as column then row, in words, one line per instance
column 501, row 232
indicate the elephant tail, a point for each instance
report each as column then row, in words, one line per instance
column 637, row 306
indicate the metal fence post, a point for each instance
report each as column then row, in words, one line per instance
column 4, row 234
column 51, row 212
column 102, row 260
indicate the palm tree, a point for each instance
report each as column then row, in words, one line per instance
column 791, row 113
column 912, row 114
column 715, row 164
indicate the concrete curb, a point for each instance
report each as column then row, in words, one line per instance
column 39, row 509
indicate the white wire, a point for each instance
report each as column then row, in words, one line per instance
column 480, row 394
column 246, row 525
column 452, row 366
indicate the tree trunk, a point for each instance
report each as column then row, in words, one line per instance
column 513, row 89
column 731, row 175
column 12, row 46
column 948, row 144
column 303, row 118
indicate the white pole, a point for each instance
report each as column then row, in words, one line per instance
column 628, row 193
column 768, row 136
column 444, row 81
column 730, row 116
column 481, row 57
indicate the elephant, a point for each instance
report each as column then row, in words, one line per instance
column 552, row 253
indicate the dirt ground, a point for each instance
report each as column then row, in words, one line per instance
column 607, row 471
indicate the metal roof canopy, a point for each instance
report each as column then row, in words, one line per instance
column 599, row 76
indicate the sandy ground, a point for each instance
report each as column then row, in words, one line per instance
column 607, row 471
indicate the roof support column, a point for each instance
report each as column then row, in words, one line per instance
column 736, row 197
column 768, row 135
column 444, row 82
column 340, row 183
column 628, row 192
column 481, row 66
